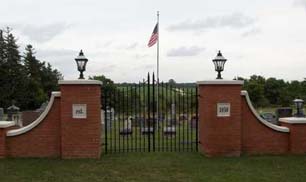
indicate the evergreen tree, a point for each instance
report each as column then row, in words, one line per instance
column 13, row 76
column 49, row 78
column 2, row 48
column 33, row 68
column 2, row 70
column 28, row 81
column 32, row 65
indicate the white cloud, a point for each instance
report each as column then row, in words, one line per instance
column 235, row 20
column 185, row 51
column 269, row 35
column 300, row 3
column 250, row 32
column 132, row 46
column 43, row 33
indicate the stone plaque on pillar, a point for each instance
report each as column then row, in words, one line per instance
column 79, row 111
column 223, row 109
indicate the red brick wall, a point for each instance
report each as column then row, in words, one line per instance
column 2, row 142
column 80, row 138
column 29, row 116
column 219, row 135
column 297, row 138
column 41, row 141
column 258, row 138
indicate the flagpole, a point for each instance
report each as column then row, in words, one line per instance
column 157, row 70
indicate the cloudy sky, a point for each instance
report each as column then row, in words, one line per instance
column 266, row 37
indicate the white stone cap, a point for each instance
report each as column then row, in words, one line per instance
column 260, row 119
column 6, row 124
column 293, row 120
column 79, row 82
column 35, row 123
column 220, row 82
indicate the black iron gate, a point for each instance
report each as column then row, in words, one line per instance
column 150, row 117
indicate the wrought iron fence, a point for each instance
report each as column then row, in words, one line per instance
column 148, row 117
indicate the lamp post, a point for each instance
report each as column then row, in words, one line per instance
column 299, row 107
column 219, row 62
column 81, row 61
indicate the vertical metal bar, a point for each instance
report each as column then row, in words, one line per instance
column 158, row 115
column 167, row 114
column 139, row 117
column 153, row 100
column 192, row 106
column 183, row 116
column 164, row 116
column 119, row 118
column 175, row 119
column 110, row 138
column 115, row 121
column 188, row 121
column 127, row 119
column 149, row 116
column 105, row 122
column 197, row 118
column 131, row 104
column 123, row 118
column 134, row 134
column 134, row 120
column 179, row 122
column 171, row 117
column 140, row 114
column 144, row 114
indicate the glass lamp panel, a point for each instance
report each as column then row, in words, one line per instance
column 80, row 65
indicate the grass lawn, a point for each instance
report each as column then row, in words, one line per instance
column 157, row 167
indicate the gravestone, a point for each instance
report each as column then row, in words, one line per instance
column 193, row 122
column 13, row 114
column 109, row 119
column 283, row 112
column 127, row 127
column 169, row 131
column 110, row 113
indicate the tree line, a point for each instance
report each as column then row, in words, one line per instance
column 267, row 92
column 24, row 79
column 264, row 92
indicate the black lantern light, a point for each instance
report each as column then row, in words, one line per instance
column 81, row 61
column 299, row 107
column 219, row 62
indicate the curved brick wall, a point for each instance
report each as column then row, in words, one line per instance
column 42, row 141
column 258, row 138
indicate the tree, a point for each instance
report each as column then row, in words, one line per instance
column 109, row 88
column 28, row 81
column 12, row 72
column 33, row 67
column 255, row 87
column 2, row 48
column 49, row 78
column 172, row 82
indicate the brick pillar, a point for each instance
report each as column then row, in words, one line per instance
column 297, row 135
column 80, row 118
column 3, row 126
column 220, row 132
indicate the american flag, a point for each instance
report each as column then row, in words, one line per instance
column 154, row 36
